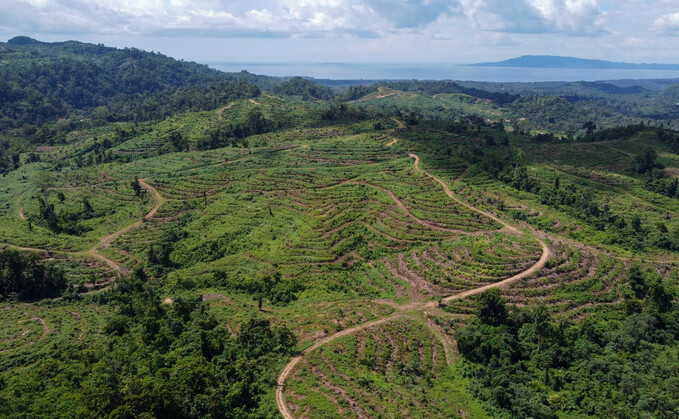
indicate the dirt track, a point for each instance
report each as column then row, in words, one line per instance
column 106, row 240
column 401, row 206
column 471, row 207
column 219, row 112
column 280, row 398
column 537, row 266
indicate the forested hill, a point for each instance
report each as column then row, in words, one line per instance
column 42, row 81
column 447, row 86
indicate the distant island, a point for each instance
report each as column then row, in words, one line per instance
column 551, row 61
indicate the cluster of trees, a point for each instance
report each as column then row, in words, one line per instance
column 186, row 99
column 305, row 89
column 66, row 222
column 356, row 92
column 270, row 287
column 170, row 251
column 159, row 360
column 236, row 132
column 612, row 133
column 563, row 107
column 647, row 164
column 11, row 149
column 664, row 186
column 527, row 363
column 23, row 277
column 9, row 159
column 624, row 132
column 547, row 137
column 583, row 203
column 159, row 252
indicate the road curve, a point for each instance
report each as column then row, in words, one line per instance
column 106, row 240
column 280, row 398
column 159, row 198
column 471, row 207
column 546, row 253
column 400, row 124
column 537, row 266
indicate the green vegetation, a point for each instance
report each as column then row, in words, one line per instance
column 305, row 89
column 397, row 370
column 153, row 358
column 23, row 278
column 530, row 364
column 168, row 249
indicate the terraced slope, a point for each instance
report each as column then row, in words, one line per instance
column 372, row 255
column 358, row 408
column 396, row 363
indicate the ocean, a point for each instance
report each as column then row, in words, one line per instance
column 338, row 71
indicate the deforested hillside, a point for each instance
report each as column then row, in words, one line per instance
column 216, row 248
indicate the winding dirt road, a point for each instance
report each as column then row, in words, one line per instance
column 280, row 398
column 464, row 204
column 400, row 310
column 105, row 241
column 537, row 266
column 219, row 112
column 402, row 207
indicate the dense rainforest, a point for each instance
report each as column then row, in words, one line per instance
column 42, row 82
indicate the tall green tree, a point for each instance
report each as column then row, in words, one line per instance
column 491, row 308
column 44, row 181
column 136, row 186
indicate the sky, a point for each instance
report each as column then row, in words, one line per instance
column 354, row 31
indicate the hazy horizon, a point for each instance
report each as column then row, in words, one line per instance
column 472, row 72
column 438, row 71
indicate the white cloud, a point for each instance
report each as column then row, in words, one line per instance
column 571, row 17
column 667, row 24
column 282, row 17
column 302, row 18
column 635, row 42
column 411, row 13
column 456, row 30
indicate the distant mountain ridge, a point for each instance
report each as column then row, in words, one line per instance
column 552, row 61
